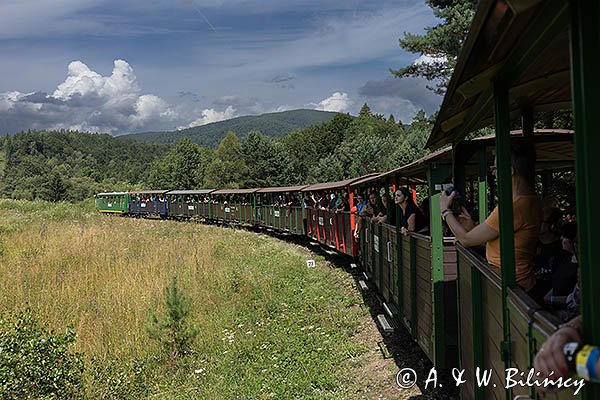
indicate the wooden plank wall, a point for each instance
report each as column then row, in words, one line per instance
column 407, row 301
column 424, row 296
column 466, row 326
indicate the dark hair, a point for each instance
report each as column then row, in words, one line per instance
column 522, row 159
column 554, row 220
column 404, row 191
column 569, row 230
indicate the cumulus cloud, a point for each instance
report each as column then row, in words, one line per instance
column 210, row 115
column 338, row 102
column 88, row 101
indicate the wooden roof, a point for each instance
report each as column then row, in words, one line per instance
column 336, row 185
column 112, row 194
column 281, row 189
column 148, row 191
column 192, row 192
column 418, row 169
column 551, row 145
column 522, row 42
column 235, row 191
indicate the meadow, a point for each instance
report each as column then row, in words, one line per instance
column 269, row 327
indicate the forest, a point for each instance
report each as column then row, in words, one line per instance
column 72, row 166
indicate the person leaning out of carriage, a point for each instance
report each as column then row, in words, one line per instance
column 412, row 218
column 527, row 219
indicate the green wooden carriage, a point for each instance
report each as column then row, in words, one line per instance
column 522, row 57
column 233, row 205
column 113, row 202
column 288, row 218
column 415, row 272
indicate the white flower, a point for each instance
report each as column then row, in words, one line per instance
column 199, row 370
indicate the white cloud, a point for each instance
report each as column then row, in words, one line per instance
column 88, row 101
column 210, row 115
column 82, row 81
column 338, row 102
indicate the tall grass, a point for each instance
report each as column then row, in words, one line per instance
column 269, row 326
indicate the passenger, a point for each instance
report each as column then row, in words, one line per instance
column 360, row 203
column 382, row 217
column 424, row 207
column 549, row 247
column 527, row 218
column 332, row 202
column 323, row 202
column 308, row 200
column 368, row 212
column 550, row 360
column 564, row 276
column 411, row 218
column 341, row 204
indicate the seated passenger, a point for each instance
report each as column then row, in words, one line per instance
column 341, row 204
column 368, row 212
column 382, row 217
column 332, row 202
column 360, row 203
column 564, row 275
column 549, row 247
column 527, row 218
column 308, row 200
column 411, row 218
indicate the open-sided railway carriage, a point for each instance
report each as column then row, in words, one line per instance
column 233, row 205
column 333, row 228
column 522, row 57
column 151, row 203
column 416, row 272
column 113, row 202
column 281, row 208
column 189, row 203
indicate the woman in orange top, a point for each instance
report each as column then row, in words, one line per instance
column 527, row 217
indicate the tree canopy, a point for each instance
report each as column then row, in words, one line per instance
column 440, row 44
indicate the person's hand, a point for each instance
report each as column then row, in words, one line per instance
column 446, row 201
column 404, row 231
column 550, row 357
column 465, row 219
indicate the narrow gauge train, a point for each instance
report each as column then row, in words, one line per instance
column 520, row 57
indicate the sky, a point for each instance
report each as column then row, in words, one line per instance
column 120, row 66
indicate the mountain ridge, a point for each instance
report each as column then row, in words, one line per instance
column 271, row 124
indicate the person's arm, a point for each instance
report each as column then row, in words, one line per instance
column 476, row 236
column 410, row 222
column 551, row 358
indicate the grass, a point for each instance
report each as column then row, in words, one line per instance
column 269, row 326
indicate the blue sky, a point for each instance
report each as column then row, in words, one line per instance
column 137, row 65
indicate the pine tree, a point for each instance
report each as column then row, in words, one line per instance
column 441, row 43
column 172, row 329
column 365, row 111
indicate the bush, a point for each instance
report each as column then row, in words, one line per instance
column 35, row 362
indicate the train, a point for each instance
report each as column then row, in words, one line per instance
column 520, row 58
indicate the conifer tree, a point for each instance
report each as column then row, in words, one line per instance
column 172, row 328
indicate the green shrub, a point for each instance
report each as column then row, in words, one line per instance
column 35, row 362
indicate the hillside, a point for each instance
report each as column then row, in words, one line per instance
column 70, row 165
column 272, row 125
